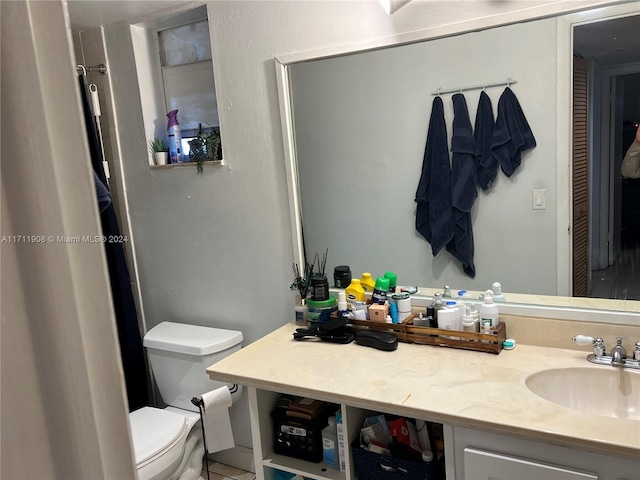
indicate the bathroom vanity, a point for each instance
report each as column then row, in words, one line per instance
column 494, row 425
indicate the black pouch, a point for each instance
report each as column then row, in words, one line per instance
column 380, row 340
column 335, row 331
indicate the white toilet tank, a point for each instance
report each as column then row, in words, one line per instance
column 179, row 355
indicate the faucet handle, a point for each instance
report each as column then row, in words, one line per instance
column 598, row 344
column 636, row 351
column 584, row 340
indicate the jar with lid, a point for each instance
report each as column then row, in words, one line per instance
column 342, row 276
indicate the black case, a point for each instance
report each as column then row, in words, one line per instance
column 299, row 438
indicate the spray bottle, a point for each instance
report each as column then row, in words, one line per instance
column 175, row 137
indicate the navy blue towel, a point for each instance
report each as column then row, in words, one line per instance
column 511, row 134
column 463, row 184
column 434, row 212
column 486, row 163
column 102, row 192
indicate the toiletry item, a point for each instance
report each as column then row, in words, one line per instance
column 421, row 321
column 468, row 324
column 379, row 294
column 175, row 137
column 489, row 313
column 476, row 316
column 446, row 292
column 496, row 288
column 403, row 302
column 320, row 311
column 453, row 305
column 342, row 304
column 447, row 319
column 302, row 313
column 355, row 293
column 464, row 294
column 342, row 276
column 367, row 282
column 319, row 289
column 393, row 308
column 509, row 344
column 389, row 319
column 437, row 304
column 393, row 280
column 378, row 313
column 330, row 453
column 423, row 437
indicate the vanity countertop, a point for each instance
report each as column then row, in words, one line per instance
column 456, row 387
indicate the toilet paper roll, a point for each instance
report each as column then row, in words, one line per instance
column 217, row 424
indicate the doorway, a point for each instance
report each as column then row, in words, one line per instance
column 606, row 80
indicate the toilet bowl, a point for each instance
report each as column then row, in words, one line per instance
column 168, row 442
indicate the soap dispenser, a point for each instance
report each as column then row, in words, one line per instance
column 489, row 318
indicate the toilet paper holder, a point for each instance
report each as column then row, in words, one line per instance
column 198, row 402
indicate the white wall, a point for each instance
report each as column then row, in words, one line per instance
column 215, row 249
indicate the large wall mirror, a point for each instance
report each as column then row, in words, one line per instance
column 358, row 123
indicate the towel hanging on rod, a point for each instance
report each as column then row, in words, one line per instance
column 483, row 86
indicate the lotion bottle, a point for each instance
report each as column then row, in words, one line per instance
column 367, row 282
column 354, row 292
column 489, row 318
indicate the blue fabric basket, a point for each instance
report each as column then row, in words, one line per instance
column 373, row 466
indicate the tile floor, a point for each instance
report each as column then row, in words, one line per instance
column 218, row 471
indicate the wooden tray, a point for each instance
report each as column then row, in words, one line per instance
column 409, row 333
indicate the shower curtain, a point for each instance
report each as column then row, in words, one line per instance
column 131, row 351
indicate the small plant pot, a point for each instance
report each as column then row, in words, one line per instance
column 160, row 158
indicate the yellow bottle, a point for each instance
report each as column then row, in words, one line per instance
column 354, row 293
column 367, row 282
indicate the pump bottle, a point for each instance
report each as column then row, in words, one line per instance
column 489, row 318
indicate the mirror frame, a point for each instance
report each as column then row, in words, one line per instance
column 617, row 311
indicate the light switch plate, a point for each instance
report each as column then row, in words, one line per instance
column 539, row 199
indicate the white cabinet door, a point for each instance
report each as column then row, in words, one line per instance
column 481, row 465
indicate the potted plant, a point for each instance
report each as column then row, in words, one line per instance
column 160, row 150
column 205, row 147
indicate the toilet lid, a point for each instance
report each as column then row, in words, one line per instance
column 154, row 430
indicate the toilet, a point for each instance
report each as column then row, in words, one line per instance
column 168, row 442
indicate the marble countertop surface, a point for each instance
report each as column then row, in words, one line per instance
column 451, row 386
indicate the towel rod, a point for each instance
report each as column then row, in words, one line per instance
column 440, row 91
column 102, row 68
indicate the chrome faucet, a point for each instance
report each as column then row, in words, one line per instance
column 618, row 356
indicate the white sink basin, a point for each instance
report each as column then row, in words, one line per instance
column 608, row 391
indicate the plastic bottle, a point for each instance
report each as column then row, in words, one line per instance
column 330, row 453
column 436, row 305
column 496, row 288
column 302, row 313
column 367, row 282
column 468, row 325
column 379, row 294
column 446, row 292
column 175, row 137
column 393, row 280
column 489, row 318
column 354, row 292
column 343, row 309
